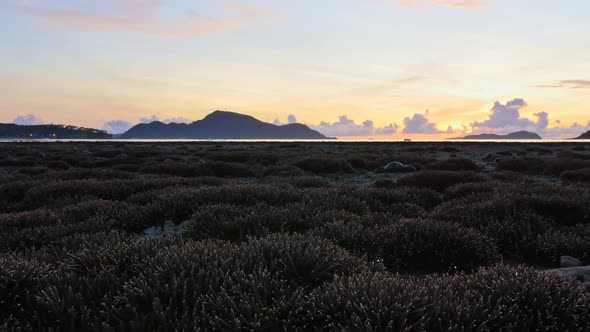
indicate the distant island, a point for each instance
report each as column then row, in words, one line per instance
column 14, row 131
column 516, row 135
column 585, row 135
column 222, row 125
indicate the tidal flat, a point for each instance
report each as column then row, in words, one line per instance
column 148, row 236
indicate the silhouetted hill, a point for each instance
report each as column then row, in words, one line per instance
column 222, row 125
column 585, row 135
column 11, row 130
column 516, row 135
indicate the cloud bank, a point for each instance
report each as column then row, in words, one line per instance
column 506, row 117
column 140, row 16
column 570, row 84
column 419, row 124
column 291, row 119
column 117, row 126
column 28, row 120
column 348, row 127
column 155, row 118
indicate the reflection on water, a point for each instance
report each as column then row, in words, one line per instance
column 536, row 141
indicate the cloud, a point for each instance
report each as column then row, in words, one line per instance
column 542, row 120
column 569, row 84
column 507, row 118
column 141, row 16
column 387, row 130
column 27, row 120
column 572, row 131
column 348, row 127
column 291, row 119
column 154, row 118
column 117, row 126
column 455, row 4
column 419, row 124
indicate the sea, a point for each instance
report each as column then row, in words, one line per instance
column 335, row 141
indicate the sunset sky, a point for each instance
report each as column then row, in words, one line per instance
column 363, row 68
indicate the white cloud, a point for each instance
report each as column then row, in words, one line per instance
column 27, row 120
column 419, row 124
column 155, row 118
column 117, row 126
column 348, row 127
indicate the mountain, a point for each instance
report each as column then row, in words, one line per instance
column 585, row 135
column 222, row 125
column 11, row 130
column 516, row 135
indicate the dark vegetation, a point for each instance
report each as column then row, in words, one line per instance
column 10, row 130
column 277, row 239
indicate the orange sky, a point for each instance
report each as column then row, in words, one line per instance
column 396, row 63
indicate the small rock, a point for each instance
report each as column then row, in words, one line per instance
column 568, row 261
column 396, row 166
column 577, row 273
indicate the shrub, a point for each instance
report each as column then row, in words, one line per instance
column 512, row 226
column 438, row 180
column 384, row 184
column 559, row 165
column 178, row 169
column 236, row 223
column 250, row 157
column 324, row 165
column 351, row 234
column 32, row 171
column 492, row 299
column 455, row 164
column 303, row 261
column 283, row 171
column 223, row 169
column 310, row 182
column 428, row 246
column 506, row 297
column 528, row 165
column 581, row 175
column 398, row 199
column 555, row 244
column 20, row 281
column 365, row 302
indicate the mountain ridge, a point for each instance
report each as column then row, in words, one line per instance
column 516, row 135
column 222, row 125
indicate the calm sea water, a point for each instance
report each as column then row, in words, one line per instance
column 585, row 141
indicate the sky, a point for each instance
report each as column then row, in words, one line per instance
column 348, row 68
